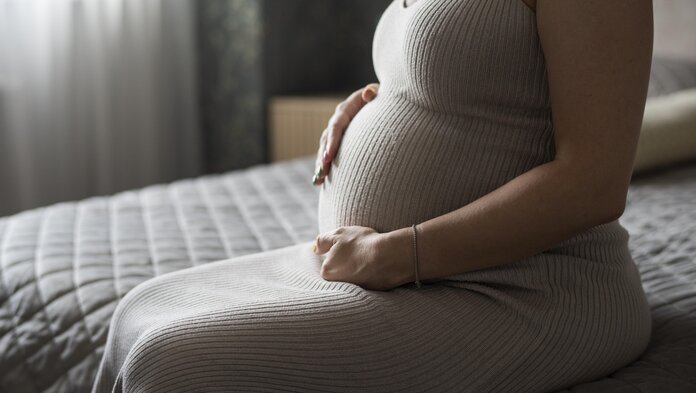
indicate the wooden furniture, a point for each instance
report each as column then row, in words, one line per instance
column 296, row 123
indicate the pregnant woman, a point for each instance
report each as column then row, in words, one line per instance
column 468, row 223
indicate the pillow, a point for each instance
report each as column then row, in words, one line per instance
column 670, row 74
column 668, row 134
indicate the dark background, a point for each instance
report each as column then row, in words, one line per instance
column 250, row 50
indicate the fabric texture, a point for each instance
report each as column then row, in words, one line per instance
column 64, row 268
column 668, row 134
column 268, row 321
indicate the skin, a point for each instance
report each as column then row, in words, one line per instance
column 598, row 55
column 332, row 135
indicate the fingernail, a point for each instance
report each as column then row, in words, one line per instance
column 370, row 93
column 318, row 174
column 325, row 157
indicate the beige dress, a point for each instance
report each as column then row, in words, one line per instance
column 463, row 108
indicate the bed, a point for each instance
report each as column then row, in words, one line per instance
column 64, row 268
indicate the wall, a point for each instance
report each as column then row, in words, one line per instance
column 253, row 49
column 675, row 28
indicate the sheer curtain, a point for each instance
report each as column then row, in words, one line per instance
column 96, row 96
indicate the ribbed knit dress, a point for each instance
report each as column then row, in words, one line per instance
column 463, row 108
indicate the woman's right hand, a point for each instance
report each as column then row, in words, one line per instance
column 333, row 134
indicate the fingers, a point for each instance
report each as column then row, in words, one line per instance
column 339, row 121
column 335, row 134
column 344, row 114
column 324, row 243
column 319, row 174
column 370, row 92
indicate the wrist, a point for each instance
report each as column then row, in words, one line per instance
column 397, row 248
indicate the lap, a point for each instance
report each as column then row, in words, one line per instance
column 269, row 320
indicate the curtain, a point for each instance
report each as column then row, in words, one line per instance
column 96, row 96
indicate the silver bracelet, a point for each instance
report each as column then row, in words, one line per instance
column 415, row 255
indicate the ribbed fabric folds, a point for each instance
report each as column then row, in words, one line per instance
column 463, row 108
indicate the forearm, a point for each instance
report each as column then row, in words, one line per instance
column 526, row 216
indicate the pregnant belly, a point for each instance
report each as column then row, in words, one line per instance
column 400, row 164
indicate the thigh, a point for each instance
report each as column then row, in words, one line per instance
column 269, row 322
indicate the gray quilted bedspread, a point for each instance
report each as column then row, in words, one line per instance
column 64, row 267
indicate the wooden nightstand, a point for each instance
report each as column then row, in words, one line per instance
column 296, row 123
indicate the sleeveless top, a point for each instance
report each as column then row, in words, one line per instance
column 462, row 109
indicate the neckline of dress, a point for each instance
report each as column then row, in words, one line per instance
column 405, row 7
column 402, row 4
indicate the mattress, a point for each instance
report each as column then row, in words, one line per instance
column 64, row 268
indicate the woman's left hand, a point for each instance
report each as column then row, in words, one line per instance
column 365, row 257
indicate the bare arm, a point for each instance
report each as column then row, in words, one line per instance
column 598, row 56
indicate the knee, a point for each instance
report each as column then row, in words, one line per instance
column 126, row 310
column 191, row 353
column 132, row 318
column 185, row 354
column 141, row 301
column 157, row 360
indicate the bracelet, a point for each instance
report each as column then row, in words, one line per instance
column 415, row 255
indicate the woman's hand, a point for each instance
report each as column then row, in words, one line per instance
column 362, row 256
column 331, row 137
